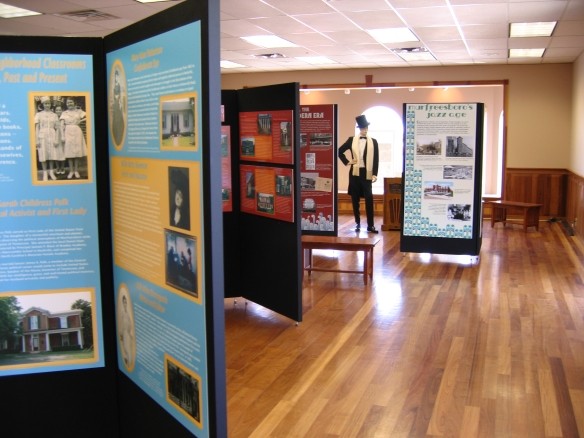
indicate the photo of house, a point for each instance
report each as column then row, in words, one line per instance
column 45, row 331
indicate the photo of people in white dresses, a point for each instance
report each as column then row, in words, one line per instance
column 60, row 138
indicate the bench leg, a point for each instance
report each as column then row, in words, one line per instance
column 531, row 218
column 365, row 266
column 498, row 214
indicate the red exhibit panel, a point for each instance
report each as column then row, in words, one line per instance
column 267, row 191
column 317, row 167
column 226, row 189
column 266, row 136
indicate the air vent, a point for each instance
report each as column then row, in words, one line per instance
column 87, row 15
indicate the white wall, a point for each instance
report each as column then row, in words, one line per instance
column 539, row 102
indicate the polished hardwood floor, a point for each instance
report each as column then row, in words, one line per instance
column 434, row 346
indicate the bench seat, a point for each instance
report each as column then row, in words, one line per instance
column 366, row 245
column 499, row 212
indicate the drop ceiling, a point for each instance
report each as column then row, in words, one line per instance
column 454, row 32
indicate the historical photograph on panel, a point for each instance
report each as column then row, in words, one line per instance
column 265, row 203
column 283, row 185
column 428, row 146
column 179, row 200
column 438, row 189
column 308, row 180
column 183, row 389
column 265, row 124
column 321, row 139
column 457, row 146
column 47, row 328
column 181, row 262
column 459, row 212
column 126, row 328
column 248, row 146
column 285, row 135
column 457, row 172
column 117, row 104
column 60, row 138
column 250, row 185
column 178, row 122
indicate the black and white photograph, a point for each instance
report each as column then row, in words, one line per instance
column 184, row 390
column 178, row 195
column 285, row 135
column 430, row 147
column 126, row 328
column 265, row 124
column 457, row 146
column 60, row 138
column 181, row 262
column 457, row 172
column 459, row 212
column 248, row 146
column 118, row 104
column 283, row 185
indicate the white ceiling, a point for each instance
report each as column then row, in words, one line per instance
column 455, row 31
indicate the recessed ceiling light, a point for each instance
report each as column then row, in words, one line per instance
column 393, row 35
column 268, row 41
column 316, row 60
column 7, row 11
column 526, row 53
column 229, row 64
column 522, row 30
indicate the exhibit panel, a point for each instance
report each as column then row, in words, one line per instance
column 442, row 208
column 49, row 269
column 165, row 167
column 268, row 242
column 54, row 274
column 318, row 169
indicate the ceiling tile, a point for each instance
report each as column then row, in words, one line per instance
column 294, row 7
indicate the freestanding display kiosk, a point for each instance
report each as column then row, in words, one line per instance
column 442, row 209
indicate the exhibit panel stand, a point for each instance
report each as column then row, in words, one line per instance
column 262, row 241
column 144, row 347
column 442, row 178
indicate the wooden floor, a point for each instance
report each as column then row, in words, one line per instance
column 434, row 346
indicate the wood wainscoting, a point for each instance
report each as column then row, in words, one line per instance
column 575, row 203
column 346, row 207
column 539, row 186
column 559, row 191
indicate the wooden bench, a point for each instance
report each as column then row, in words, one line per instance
column 499, row 212
column 341, row 244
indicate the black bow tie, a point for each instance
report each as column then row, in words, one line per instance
column 364, row 138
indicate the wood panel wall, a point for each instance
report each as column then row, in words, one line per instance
column 575, row 203
column 346, row 207
column 541, row 186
